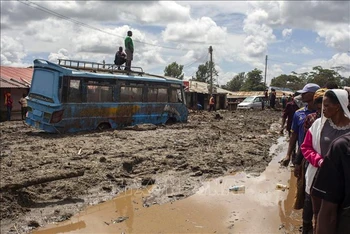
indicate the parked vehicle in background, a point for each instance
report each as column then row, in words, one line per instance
column 62, row 99
column 252, row 102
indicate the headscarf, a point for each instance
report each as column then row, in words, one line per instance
column 316, row 130
column 343, row 98
column 320, row 93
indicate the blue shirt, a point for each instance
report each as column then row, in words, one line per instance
column 298, row 122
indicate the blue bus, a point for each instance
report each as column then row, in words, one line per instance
column 88, row 96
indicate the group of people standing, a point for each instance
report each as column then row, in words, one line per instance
column 126, row 57
column 319, row 148
column 271, row 99
column 9, row 105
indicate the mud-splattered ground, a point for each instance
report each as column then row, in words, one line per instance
column 176, row 157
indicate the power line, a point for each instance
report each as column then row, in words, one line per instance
column 197, row 70
column 46, row 10
column 197, row 60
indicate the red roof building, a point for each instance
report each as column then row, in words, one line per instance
column 14, row 80
column 15, row 77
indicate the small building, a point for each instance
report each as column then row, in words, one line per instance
column 14, row 80
column 198, row 93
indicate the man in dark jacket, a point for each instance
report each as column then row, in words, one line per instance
column 120, row 57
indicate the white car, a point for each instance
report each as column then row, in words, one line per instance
column 253, row 102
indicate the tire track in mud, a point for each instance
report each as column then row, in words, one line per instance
column 115, row 160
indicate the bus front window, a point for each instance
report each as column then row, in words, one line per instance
column 44, row 85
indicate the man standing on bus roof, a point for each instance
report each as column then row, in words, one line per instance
column 129, row 50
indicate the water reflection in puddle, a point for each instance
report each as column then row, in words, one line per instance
column 104, row 217
column 259, row 208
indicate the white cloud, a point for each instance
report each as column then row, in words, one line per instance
column 303, row 50
column 61, row 54
column 12, row 51
column 289, row 64
column 273, row 70
column 259, row 34
column 339, row 61
column 287, row 32
column 164, row 11
column 213, row 9
column 225, row 77
column 113, row 12
column 330, row 19
column 240, row 32
column 336, row 36
column 203, row 30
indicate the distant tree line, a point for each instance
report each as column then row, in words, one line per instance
column 253, row 80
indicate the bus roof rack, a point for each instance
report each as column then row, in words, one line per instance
column 98, row 67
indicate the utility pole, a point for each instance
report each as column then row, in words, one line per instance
column 211, row 70
column 265, row 69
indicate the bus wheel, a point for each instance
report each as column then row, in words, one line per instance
column 171, row 120
column 103, row 126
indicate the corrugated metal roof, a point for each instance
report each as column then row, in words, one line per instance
column 201, row 87
column 244, row 94
column 8, row 84
column 15, row 77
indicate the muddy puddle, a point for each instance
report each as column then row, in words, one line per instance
column 259, row 207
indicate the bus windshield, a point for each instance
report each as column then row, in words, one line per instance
column 43, row 85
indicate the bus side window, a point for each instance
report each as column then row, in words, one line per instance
column 74, row 91
column 65, row 89
column 179, row 95
column 162, row 95
column 96, row 93
column 131, row 94
column 175, row 95
column 152, row 94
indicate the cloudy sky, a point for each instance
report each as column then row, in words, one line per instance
column 296, row 35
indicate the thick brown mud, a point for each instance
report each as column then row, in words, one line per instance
column 259, row 208
column 169, row 164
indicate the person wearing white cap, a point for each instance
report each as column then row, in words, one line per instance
column 307, row 96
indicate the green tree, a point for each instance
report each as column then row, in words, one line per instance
column 174, row 70
column 253, row 81
column 235, row 84
column 288, row 81
column 321, row 76
column 203, row 72
column 345, row 81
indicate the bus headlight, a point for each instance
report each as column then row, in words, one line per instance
column 56, row 116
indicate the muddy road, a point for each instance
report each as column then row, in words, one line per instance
column 175, row 159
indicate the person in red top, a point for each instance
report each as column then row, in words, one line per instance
column 8, row 104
